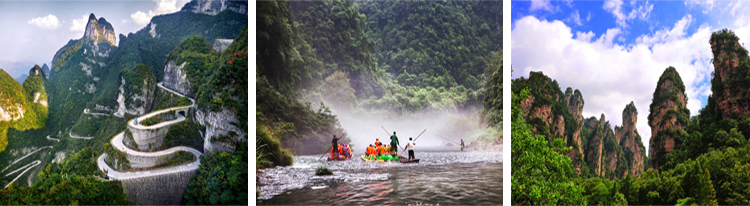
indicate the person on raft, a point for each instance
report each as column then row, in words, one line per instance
column 335, row 144
column 346, row 151
column 410, row 148
column 394, row 143
column 370, row 152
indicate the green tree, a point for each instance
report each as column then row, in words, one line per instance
column 541, row 170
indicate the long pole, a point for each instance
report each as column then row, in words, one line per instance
column 329, row 149
column 445, row 138
column 415, row 139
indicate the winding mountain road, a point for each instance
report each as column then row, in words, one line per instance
column 75, row 136
column 117, row 143
column 25, row 156
column 28, row 167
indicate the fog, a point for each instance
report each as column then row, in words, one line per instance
column 443, row 128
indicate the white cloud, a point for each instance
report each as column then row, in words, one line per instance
column 49, row 22
column 540, row 5
column 575, row 18
column 141, row 18
column 708, row 5
column 610, row 75
column 162, row 7
column 79, row 25
column 678, row 31
column 615, row 7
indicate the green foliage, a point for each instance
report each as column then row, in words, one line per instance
column 137, row 78
column 493, row 96
column 541, row 170
column 82, row 163
column 186, row 133
column 64, row 189
column 116, row 158
column 323, row 171
column 180, row 157
column 441, row 43
column 13, row 96
column 269, row 146
column 221, row 179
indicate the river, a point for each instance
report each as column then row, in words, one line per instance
column 443, row 177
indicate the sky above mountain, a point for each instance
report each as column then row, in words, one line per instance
column 31, row 32
column 614, row 51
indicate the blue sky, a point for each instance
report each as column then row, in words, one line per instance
column 614, row 51
column 31, row 32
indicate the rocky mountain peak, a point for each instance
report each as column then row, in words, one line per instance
column 628, row 138
column 36, row 71
column 100, row 30
column 668, row 116
column 727, row 85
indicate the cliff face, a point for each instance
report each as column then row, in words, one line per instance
column 668, row 118
column 728, row 85
column 176, row 78
column 137, row 91
column 630, row 141
column 100, row 30
column 596, row 155
column 575, row 107
column 221, row 130
column 594, row 144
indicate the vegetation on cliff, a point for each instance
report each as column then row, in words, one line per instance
column 668, row 118
column 17, row 102
column 221, row 179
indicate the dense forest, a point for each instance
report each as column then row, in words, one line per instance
column 701, row 159
column 364, row 57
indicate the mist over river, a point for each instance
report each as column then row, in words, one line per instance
column 444, row 176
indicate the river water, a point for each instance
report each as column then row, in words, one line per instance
column 441, row 178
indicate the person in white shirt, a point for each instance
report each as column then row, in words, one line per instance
column 410, row 147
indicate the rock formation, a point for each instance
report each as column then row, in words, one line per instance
column 176, row 78
column 630, row 141
column 100, row 31
column 668, row 118
column 731, row 96
column 137, row 91
column 595, row 147
column 575, row 104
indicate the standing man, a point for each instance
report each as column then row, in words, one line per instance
column 335, row 144
column 462, row 144
column 410, row 147
column 394, row 143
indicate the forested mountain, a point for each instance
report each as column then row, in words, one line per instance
column 694, row 160
column 99, row 82
column 438, row 44
column 22, row 107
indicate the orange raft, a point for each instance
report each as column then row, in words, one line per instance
column 338, row 157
